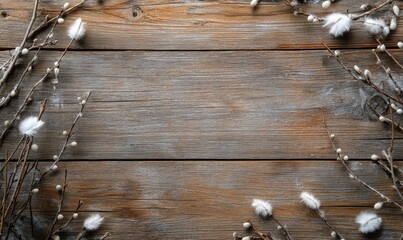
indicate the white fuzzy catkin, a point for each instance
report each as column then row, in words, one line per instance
column 400, row 44
column 77, row 30
column 93, row 222
column 338, row 24
column 369, row 222
column 393, row 23
column 378, row 205
column 326, row 4
column 34, row 147
column 310, row 201
column 262, row 208
column 376, row 26
column 396, row 10
column 30, row 126
column 254, row 3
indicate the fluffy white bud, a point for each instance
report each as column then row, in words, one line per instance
column 378, row 205
column 393, row 23
column 24, row 51
column 254, row 3
column 246, row 225
column 326, row 4
column 357, row 69
column 66, row 6
column 34, row 147
column 396, row 10
column 60, row 20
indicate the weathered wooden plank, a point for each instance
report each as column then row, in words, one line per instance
column 210, row 200
column 241, row 104
column 196, row 25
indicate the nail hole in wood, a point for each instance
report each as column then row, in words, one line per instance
column 4, row 14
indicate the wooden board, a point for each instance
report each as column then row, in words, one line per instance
column 192, row 25
column 232, row 105
column 190, row 79
column 211, row 200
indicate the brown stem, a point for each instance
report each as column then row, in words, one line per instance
column 374, row 9
column 59, row 209
column 390, row 55
column 5, row 100
column 299, row 10
column 285, row 231
column 330, row 226
column 388, row 72
column 18, row 53
column 105, row 236
column 80, row 203
column 259, row 233
column 48, row 21
column 367, row 82
column 352, row 174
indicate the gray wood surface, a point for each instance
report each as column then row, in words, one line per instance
column 175, row 80
column 237, row 104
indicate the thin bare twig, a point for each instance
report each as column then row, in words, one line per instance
column 360, row 79
column 17, row 53
column 352, row 174
column 48, row 21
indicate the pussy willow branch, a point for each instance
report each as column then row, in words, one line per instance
column 17, row 53
column 59, row 208
column 372, row 10
column 22, row 175
column 352, row 174
column 383, row 165
column 390, row 54
column 285, row 231
column 66, row 141
column 259, row 233
column 27, row 100
column 5, row 100
column 388, row 72
column 105, row 236
column 389, row 153
column 80, row 203
column 387, row 120
column 367, row 82
column 298, row 10
column 29, row 95
column 321, row 215
column 48, row 21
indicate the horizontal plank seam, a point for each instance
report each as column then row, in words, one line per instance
column 202, row 160
column 199, row 50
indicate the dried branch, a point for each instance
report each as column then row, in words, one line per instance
column 366, row 81
column 352, row 174
column 17, row 53
column 48, row 21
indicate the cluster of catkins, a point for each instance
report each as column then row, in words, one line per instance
column 367, row 221
column 341, row 23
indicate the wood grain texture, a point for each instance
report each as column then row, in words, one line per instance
column 213, row 79
column 192, row 25
column 242, row 104
column 210, row 200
